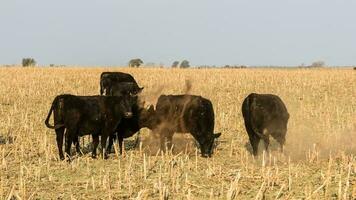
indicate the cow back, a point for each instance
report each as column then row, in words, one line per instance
column 185, row 113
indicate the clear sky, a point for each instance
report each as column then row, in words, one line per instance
column 205, row 32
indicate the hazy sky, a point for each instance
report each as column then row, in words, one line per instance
column 205, row 32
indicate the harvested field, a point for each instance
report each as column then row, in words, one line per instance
column 319, row 160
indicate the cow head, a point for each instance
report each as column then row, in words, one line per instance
column 207, row 144
column 125, row 106
column 278, row 127
column 125, row 88
column 147, row 117
column 139, row 90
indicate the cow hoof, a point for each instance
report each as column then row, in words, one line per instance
column 205, row 156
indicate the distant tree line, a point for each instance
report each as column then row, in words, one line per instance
column 316, row 64
column 28, row 62
column 136, row 62
column 183, row 64
column 235, row 66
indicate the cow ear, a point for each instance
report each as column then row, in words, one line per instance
column 216, row 135
column 140, row 90
column 151, row 109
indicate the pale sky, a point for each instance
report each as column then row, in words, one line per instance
column 205, row 32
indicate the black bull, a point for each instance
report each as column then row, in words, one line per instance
column 264, row 115
column 83, row 115
column 121, row 84
column 108, row 80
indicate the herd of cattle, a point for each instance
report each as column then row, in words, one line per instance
column 118, row 113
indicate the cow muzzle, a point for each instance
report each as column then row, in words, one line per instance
column 128, row 114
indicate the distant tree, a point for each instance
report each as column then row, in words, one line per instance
column 184, row 64
column 135, row 62
column 26, row 62
column 175, row 64
column 318, row 64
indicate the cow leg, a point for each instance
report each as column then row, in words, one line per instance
column 169, row 140
column 163, row 138
column 59, row 138
column 120, row 144
column 162, row 142
column 282, row 149
column 95, row 145
column 104, row 136
column 137, row 141
column 166, row 139
column 68, row 142
column 253, row 137
column 103, row 139
column 281, row 142
column 111, row 141
column 266, row 141
column 107, row 91
column 254, row 140
column 77, row 145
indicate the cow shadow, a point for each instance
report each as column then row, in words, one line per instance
column 151, row 145
column 218, row 143
column 6, row 140
column 129, row 144
column 181, row 145
column 273, row 146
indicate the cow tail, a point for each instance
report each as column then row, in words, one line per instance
column 49, row 115
column 246, row 108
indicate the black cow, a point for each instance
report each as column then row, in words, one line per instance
column 83, row 115
column 141, row 118
column 127, row 126
column 184, row 114
column 108, row 79
column 264, row 115
column 119, row 84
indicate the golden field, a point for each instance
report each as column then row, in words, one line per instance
column 319, row 161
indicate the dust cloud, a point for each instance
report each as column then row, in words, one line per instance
column 310, row 139
column 181, row 142
column 150, row 97
column 306, row 142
